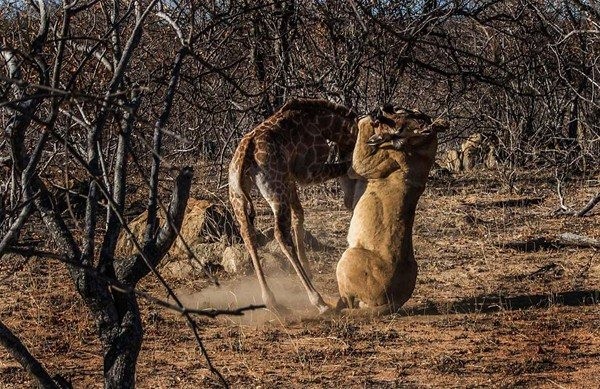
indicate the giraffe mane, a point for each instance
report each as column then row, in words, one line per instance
column 307, row 104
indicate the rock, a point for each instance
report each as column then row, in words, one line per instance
column 207, row 222
column 473, row 151
column 452, row 161
column 206, row 228
column 313, row 243
column 440, row 173
column 267, row 238
column 276, row 261
column 491, row 160
column 206, row 253
column 236, row 260
column 182, row 268
column 476, row 151
column 272, row 247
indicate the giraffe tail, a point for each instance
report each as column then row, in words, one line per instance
column 239, row 195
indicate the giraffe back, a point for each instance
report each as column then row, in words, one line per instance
column 297, row 138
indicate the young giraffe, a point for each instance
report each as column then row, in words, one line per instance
column 289, row 148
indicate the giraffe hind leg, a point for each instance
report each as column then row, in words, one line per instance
column 244, row 213
column 279, row 199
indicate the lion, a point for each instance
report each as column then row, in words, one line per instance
column 477, row 150
column 394, row 153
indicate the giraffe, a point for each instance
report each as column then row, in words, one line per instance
column 289, row 148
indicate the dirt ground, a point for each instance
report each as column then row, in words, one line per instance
column 486, row 312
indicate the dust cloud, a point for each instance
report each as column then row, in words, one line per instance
column 245, row 291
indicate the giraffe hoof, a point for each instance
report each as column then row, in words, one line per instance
column 326, row 309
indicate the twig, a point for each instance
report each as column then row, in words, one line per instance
column 562, row 209
column 590, row 205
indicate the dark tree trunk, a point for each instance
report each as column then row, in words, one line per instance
column 122, row 343
column 258, row 60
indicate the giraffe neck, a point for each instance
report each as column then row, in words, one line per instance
column 338, row 129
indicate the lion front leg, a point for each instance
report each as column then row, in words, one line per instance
column 368, row 162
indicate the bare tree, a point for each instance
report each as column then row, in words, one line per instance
column 110, row 110
column 114, row 94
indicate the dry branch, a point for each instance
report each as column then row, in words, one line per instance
column 18, row 350
column 590, row 205
column 124, row 288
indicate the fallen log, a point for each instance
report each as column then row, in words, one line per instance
column 514, row 202
column 538, row 243
column 591, row 204
column 569, row 239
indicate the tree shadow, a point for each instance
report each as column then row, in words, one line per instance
column 495, row 303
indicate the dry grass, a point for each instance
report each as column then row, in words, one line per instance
column 460, row 329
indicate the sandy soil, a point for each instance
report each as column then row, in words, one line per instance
column 485, row 313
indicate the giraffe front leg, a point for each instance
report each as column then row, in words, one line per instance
column 281, row 209
column 325, row 172
column 298, row 229
column 329, row 171
column 284, row 237
column 276, row 189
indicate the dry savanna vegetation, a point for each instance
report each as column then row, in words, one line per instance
column 120, row 261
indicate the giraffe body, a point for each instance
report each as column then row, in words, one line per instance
column 289, row 148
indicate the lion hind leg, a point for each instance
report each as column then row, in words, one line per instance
column 360, row 278
column 368, row 312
